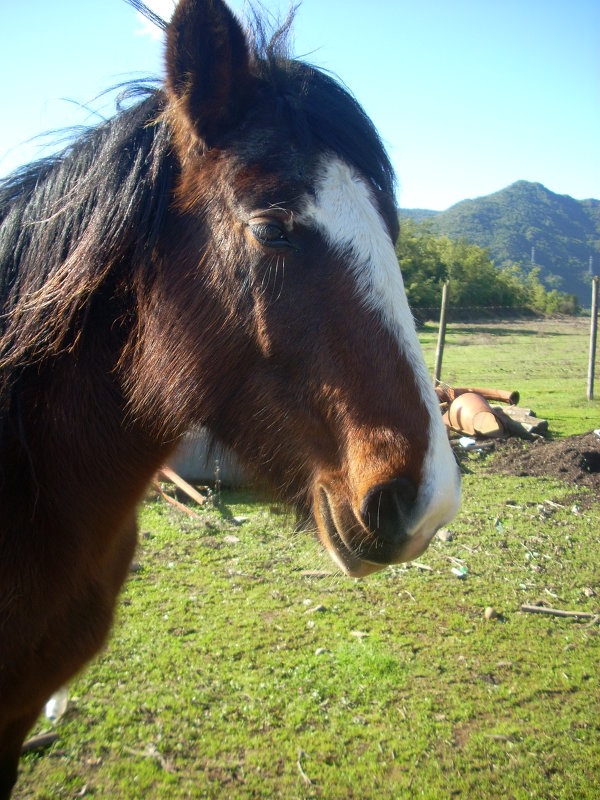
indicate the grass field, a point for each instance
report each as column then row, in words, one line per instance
column 545, row 360
column 242, row 665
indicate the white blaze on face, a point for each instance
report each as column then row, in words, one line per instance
column 345, row 211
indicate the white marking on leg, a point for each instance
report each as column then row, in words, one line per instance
column 346, row 213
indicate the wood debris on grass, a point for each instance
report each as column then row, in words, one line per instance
column 521, row 422
column 151, row 751
column 172, row 501
column 424, row 567
column 448, row 393
column 466, row 410
column 303, row 774
column 560, row 612
column 316, row 609
column 39, row 742
column 316, row 573
column 171, row 476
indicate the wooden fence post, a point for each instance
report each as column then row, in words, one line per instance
column 441, row 335
column 593, row 336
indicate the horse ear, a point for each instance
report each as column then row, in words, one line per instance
column 207, row 67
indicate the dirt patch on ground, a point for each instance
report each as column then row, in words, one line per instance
column 575, row 459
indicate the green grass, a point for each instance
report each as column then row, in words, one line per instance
column 242, row 665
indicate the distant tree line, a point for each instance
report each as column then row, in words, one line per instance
column 427, row 260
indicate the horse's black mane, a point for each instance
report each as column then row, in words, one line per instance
column 66, row 220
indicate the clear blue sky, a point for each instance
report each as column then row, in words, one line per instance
column 468, row 95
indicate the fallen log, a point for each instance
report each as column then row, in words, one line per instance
column 512, row 398
column 447, row 394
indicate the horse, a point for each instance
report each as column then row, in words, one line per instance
column 221, row 254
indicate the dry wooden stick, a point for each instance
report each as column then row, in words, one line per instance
column 39, row 742
column 152, row 752
column 559, row 612
column 303, row 774
column 174, row 502
column 171, row 475
column 316, row 573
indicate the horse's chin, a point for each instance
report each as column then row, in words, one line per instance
column 350, row 545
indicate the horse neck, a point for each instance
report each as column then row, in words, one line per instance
column 73, row 437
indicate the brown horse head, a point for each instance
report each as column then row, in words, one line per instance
column 290, row 334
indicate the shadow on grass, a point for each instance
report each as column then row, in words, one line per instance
column 472, row 330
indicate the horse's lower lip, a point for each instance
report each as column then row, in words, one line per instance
column 354, row 563
column 351, row 563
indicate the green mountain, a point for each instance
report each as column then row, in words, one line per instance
column 509, row 223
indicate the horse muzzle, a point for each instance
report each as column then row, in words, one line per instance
column 393, row 522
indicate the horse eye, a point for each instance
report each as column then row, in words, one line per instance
column 268, row 233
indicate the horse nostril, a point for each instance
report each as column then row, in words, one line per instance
column 385, row 508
